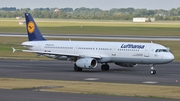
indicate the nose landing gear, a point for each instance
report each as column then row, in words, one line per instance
column 153, row 71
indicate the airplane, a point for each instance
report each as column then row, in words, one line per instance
column 87, row 54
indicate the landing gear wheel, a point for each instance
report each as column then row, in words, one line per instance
column 77, row 69
column 105, row 67
column 153, row 72
column 152, row 69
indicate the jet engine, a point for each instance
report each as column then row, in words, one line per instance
column 126, row 64
column 89, row 63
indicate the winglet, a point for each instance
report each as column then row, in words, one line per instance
column 33, row 31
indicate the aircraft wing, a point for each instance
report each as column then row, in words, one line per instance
column 63, row 54
column 92, row 56
column 52, row 53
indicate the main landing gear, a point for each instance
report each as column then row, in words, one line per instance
column 153, row 71
column 105, row 67
column 77, row 69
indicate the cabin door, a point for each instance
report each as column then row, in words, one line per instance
column 146, row 53
column 76, row 49
column 39, row 46
column 113, row 51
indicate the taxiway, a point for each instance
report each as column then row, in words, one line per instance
column 167, row 74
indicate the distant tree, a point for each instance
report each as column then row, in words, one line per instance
column 37, row 13
column 46, row 14
column 173, row 12
column 8, row 8
column 92, row 13
column 67, row 9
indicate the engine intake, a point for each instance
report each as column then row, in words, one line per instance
column 89, row 63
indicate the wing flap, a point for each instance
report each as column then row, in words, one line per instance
column 52, row 53
column 92, row 56
column 64, row 54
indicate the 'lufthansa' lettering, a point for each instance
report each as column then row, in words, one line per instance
column 132, row 46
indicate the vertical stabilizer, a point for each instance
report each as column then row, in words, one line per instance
column 33, row 31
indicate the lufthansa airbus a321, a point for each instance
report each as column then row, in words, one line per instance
column 87, row 54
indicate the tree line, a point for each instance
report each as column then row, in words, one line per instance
column 92, row 13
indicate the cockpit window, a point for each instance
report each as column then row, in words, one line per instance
column 161, row 50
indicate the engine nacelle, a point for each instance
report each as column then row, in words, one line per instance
column 126, row 64
column 89, row 63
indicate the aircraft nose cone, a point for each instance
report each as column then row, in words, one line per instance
column 170, row 57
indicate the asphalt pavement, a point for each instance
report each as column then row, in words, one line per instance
column 168, row 74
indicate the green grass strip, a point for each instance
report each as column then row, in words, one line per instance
column 117, row 89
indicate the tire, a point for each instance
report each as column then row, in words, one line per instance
column 153, row 71
column 77, row 69
column 105, row 67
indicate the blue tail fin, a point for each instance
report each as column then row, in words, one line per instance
column 33, row 31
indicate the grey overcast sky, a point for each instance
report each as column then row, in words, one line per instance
column 102, row 4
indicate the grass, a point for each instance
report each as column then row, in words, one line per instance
column 6, row 49
column 95, row 27
column 118, row 89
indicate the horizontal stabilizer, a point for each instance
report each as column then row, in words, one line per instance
column 14, row 50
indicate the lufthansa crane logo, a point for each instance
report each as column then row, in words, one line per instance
column 31, row 27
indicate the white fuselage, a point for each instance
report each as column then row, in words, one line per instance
column 117, row 52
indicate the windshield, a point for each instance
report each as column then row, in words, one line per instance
column 161, row 50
